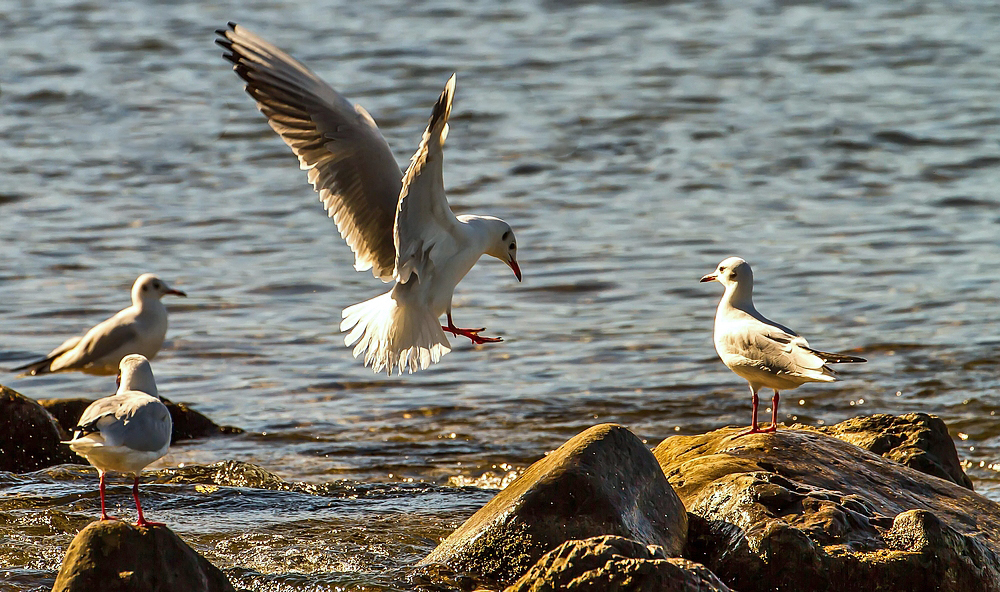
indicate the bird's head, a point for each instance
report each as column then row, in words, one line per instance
column 135, row 374
column 732, row 272
column 149, row 287
column 502, row 244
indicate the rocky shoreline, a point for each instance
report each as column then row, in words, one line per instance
column 873, row 503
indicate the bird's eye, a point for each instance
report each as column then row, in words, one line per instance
column 512, row 246
column 156, row 285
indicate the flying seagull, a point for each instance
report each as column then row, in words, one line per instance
column 398, row 225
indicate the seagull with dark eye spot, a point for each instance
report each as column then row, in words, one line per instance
column 138, row 329
column 399, row 225
column 762, row 352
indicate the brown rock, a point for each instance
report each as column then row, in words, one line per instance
column 611, row 563
column 115, row 556
column 801, row 510
column 602, row 481
column 29, row 436
column 917, row 440
column 188, row 423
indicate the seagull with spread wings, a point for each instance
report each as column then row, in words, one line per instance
column 762, row 352
column 398, row 225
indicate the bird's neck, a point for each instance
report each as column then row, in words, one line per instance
column 739, row 297
column 478, row 232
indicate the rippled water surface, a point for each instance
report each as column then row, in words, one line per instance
column 848, row 150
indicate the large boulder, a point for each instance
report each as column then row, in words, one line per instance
column 602, row 481
column 114, row 556
column 611, row 563
column 188, row 423
column 29, row 436
column 917, row 440
column 801, row 510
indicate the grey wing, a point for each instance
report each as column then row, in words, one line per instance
column 42, row 366
column 131, row 419
column 348, row 161
column 423, row 216
column 100, row 341
column 779, row 351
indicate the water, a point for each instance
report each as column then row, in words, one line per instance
column 847, row 150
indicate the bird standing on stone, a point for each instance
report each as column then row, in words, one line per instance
column 399, row 226
column 138, row 329
column 127, row 431
column 764, row 353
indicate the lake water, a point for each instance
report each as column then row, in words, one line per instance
column 847, row 150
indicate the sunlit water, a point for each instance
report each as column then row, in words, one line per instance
column 848, row 151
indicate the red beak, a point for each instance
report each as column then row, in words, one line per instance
column 175, row 292
column 709, row 278
column 517, row 270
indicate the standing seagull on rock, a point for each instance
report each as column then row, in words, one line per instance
column 126, row 431
column 138, row 329
column 399, row 226
column 764, row 353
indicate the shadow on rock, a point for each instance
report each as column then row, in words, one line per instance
column 611, row 563
column 117, row 556
column 801, row 510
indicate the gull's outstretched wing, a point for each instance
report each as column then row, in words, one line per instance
column 423, row 216
column 348, row 161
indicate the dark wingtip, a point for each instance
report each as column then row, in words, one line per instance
column 232, row 25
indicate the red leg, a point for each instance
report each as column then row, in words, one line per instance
column 753, row 420
column 104, row 514
column 141, row 522
column 472, row 334
column 774, row 414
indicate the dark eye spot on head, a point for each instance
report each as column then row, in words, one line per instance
column 505, row 236
column 156, row 285
column 513, row 246
column 145, row 288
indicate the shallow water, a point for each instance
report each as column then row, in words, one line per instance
column 847, row 150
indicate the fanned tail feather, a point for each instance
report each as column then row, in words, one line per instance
column 394, row 335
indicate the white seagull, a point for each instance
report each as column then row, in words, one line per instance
column 399, row 226
column 764, row 353
column 126, row 431
column 138, row 329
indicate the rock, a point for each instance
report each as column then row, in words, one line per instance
column 602, row 481
column 29, row 436
column 917, row 440
column 114, row 556
column 801, row 510
column 611, row 563
column 188, row 423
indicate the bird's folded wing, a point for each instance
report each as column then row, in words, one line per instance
column 348, row 161
column 775, row 349
column 100, row 341
column 423, row 215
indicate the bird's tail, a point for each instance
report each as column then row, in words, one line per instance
column 43, row 366
column 394, row 334
column 837, row 358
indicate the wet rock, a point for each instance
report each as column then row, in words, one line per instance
column 917, row 440
column 29, row 436
column 602, row 481
column 801, row 510
column 188, row 423
column 117, row 556
column 611, row 563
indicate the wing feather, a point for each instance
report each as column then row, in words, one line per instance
column 348, row 161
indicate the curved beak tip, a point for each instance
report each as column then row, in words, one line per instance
column 709, row 278
column 176, row 293
column 515, row 268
